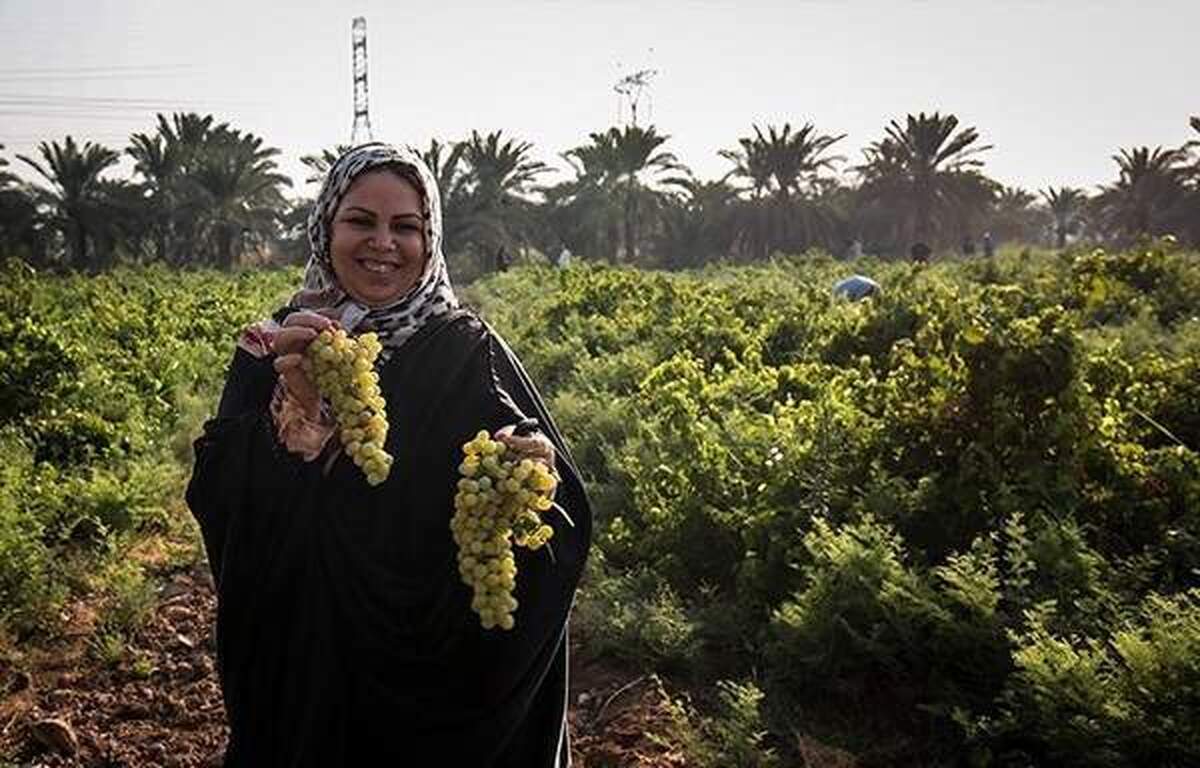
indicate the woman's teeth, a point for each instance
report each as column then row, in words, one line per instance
column 377, row 266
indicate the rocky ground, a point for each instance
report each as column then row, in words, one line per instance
column 160, row 705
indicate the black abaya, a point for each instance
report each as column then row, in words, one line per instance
column 344, row 633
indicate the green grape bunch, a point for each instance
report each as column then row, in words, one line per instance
column 500, row 502
column 343, row 368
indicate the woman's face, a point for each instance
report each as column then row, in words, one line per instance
column 377, row 242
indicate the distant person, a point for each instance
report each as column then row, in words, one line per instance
column 501, row 259
column 919, row 253
column 564, row 258
column 989, row 248
column 856, row 287
column 968, row 246
column 856, row 250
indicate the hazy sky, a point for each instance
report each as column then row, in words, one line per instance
column 1057, row 87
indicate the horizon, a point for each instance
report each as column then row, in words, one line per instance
column 1038, row 83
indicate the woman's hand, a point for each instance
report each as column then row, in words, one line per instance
column 536, row 446
column 289, row 345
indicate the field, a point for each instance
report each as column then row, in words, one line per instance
column 955, row 524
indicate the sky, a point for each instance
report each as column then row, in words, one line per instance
column 1056, row 87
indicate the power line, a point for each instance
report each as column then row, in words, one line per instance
column 76, row 114
column 111, row 104
column 97, row 99
column 82, row 70
column 9, row 142
column 93, row 76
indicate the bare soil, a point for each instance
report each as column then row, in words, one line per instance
column 161, row 705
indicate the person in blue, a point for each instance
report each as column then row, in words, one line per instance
column 856, row 287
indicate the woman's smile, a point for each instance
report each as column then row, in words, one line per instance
column 378, row 244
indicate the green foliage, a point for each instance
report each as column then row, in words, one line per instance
column 129, row 595
column 960, row 518
column 739, row 731
column 1077, row 700
column 634, row 616
column 734, row 737
column 860, row 611
column 29, row 592
column 33, row 364
column 880, row 504
column 104, row 382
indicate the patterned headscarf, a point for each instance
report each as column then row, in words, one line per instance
column 431, row 297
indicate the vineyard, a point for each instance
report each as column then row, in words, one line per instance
column 957, row 523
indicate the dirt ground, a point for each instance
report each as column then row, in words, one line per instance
column 161, row 706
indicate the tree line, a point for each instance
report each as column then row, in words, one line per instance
column 206, row 193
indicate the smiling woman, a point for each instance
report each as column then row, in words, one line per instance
column 378, row 239
column 345, row 632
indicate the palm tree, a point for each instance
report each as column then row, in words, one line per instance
column 166, row 161
column 209, row 186
column 158, row 164
column 697, row 222
column 6, row 177
column 581, row 213
column 752, row 162
column 781, row 161
column 446, row 163
column 1194, row 215
column 1014, row 216
column 1066, row 206
column 126, row 226
column 240, row 190
column 925, row 170
column 18, row 216
column 585, row 212
column 625, row 162
column 76, row 196
column 1149, row 197
column 783, row 169
column 320, row 164
column 495, row 206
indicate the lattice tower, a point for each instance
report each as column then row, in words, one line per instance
column 361, row 132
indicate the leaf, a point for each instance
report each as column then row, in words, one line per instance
column 973, row 335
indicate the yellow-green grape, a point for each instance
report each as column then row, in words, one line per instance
column 343, row 368
column 499, row 502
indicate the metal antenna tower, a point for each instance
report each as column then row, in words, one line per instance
column 361, row 132
column 632, row 87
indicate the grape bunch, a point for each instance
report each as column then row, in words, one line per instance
column 343, row 368
column 499, row 503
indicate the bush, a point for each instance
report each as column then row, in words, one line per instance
column 634, row 617
column 1128, row 699
column 30, row 595
column 98, row 375
column 861, row 616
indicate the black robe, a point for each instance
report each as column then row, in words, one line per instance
column 344, row 633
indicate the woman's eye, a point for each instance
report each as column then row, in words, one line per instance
column 361, row 222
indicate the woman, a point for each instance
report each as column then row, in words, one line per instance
column 345, row 635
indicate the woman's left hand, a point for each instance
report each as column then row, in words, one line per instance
column 536, row 446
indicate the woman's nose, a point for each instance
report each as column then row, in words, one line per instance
column 382, row 240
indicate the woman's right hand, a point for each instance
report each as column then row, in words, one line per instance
column 290, row 343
